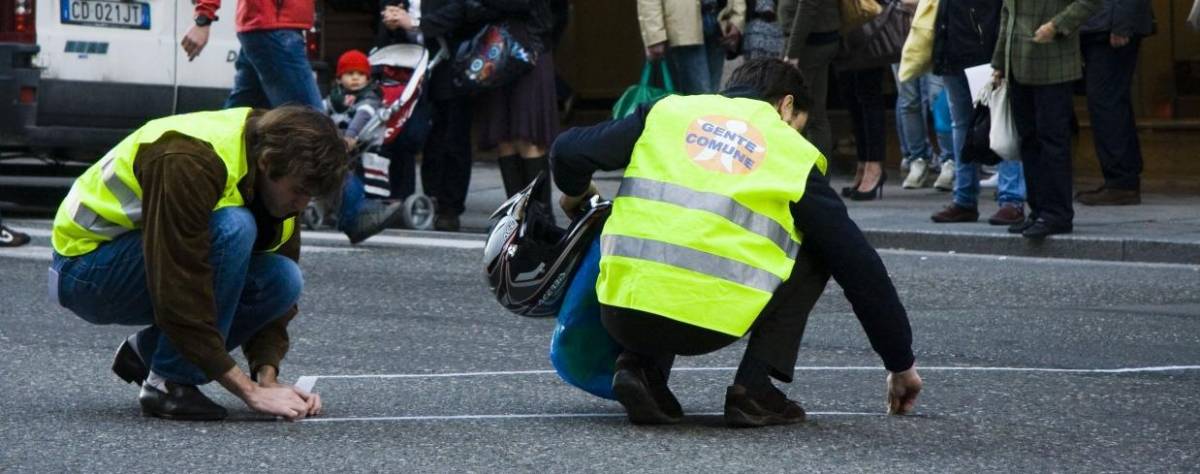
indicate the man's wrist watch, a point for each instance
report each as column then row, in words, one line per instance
column 202, row 20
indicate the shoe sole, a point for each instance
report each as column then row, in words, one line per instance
column 638, row 402
column 1002, row 222
column 195, row 417
column 127, row 356
column 736, row 418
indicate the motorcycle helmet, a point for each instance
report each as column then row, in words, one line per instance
column 528, row 260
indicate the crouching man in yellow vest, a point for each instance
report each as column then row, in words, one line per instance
column 726, row 225
column 187, row 227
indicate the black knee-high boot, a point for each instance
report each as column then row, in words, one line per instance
column 512, row 173
column 533, row 168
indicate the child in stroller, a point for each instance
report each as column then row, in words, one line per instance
column 372, row 114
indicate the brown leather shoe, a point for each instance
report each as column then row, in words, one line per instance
column 1111, row 197
column 772, row 408
column 955, row 213
column 1008, row 215
column 1085, row 192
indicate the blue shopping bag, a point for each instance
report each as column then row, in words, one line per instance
column 583, row 353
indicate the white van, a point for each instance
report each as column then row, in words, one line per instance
column 81, row 74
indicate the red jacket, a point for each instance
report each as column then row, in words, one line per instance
column 254, row 15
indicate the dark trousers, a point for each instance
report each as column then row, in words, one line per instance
column 774, row 337
column 862, row 91
column 1043, row 116
column 402, row 151
column 1109, row 75
column 446, row 165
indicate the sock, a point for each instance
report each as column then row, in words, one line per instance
column 512, row 173
column 156, row 381
column 755, row 375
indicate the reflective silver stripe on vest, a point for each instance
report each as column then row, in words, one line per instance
column 131, row 205
column 689, row 259
column 724, row 206
column 88, row 219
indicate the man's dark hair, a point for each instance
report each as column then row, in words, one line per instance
column 297, row 140
column 773, row 79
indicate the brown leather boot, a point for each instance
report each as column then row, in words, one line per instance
column 955, row 213
column 1111, row 197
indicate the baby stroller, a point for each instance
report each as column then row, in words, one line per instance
column 403, row 69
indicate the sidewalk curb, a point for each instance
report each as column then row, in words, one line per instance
column 1058, row 246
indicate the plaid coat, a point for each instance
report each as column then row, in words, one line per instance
column 1042, row 64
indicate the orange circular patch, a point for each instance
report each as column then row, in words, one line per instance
column 725, row 145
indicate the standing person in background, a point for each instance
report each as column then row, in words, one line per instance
column 915, row 101
column 811, row 31
column 11, row 238
column 1110, row 41
column 399, row 24
column 272, row 67
column 688, row 33
column 446, row 161
column 763, row 36
column 965, row 36
column 862, row 90
column 520, row 119
column 1039, row 40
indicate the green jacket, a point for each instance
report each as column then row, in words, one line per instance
column 1042, row 64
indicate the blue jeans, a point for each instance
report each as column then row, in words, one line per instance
column 272, row 70
column 1011, row 188
column 108, row 286
column 354, row 195
column 697, row 68
column 912, row 102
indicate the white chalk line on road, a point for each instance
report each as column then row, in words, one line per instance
column 307, row 383
column 44, row 253
column 520, row 416
column 387, row 240
column 1122, row 370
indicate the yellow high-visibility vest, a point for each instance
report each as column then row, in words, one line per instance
column 106, row 201
column 701, row 230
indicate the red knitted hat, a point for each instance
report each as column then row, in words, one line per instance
column 353, row 60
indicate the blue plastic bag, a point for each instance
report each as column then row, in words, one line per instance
column 583, row 353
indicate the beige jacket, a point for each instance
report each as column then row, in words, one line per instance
column 678, row 21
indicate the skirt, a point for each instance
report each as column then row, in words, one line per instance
column 525, row 110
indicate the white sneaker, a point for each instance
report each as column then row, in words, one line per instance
column 991, row 182
column 945, row 179
column 916, row 174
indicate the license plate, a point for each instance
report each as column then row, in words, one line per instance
column 104, row 13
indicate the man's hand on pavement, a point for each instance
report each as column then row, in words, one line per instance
column 267, row 378
column 655, row 52
column 194, row 41
column 902, row 391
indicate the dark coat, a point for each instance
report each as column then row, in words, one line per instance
column 1122, row 17
column 965, row 34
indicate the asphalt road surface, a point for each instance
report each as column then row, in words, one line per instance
column 1024, row 364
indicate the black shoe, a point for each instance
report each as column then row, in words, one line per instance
column 1021, row 226
column 644, row 393
column 12, row 238
column 128, row 364
column 771, row 408
column 179, row 402
column 846, row 190
column 373, row 218
column 873, row 194
column 447, row 223
column 1041, row 229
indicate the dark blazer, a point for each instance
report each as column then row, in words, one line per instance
column 965, row 34
column 1122, row 17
